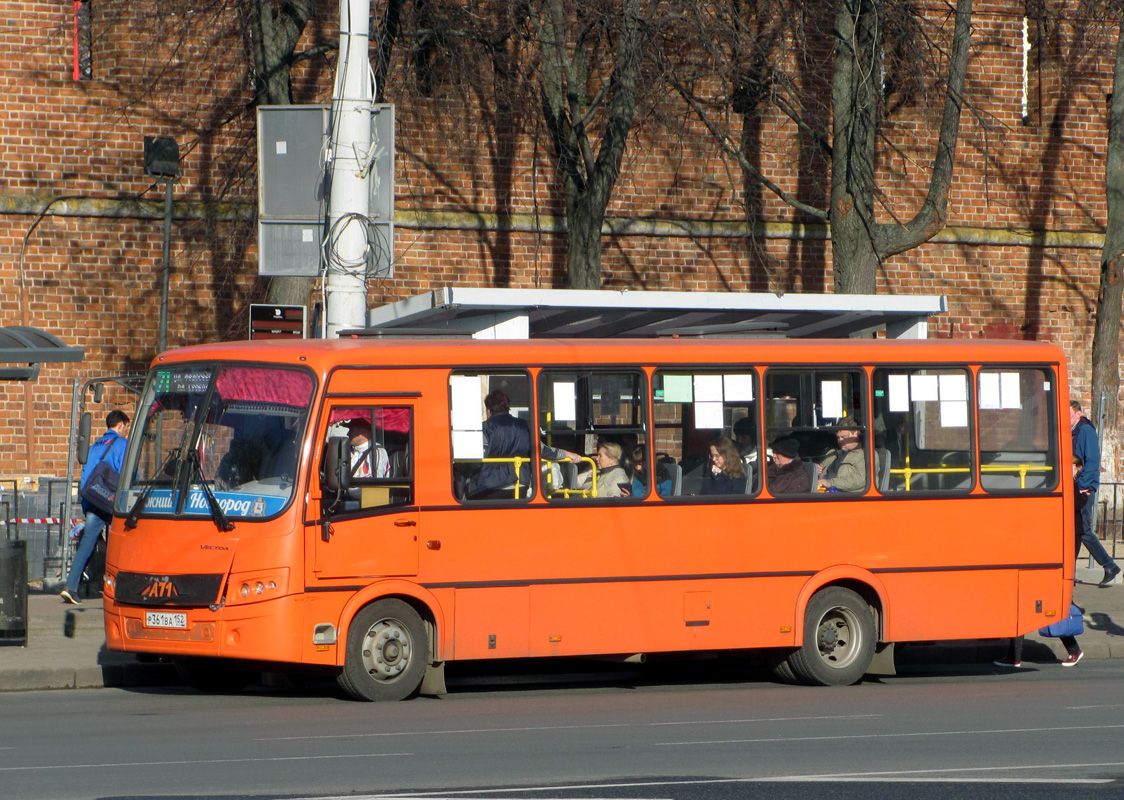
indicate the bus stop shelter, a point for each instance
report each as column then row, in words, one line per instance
column 22, row 350
column 569, row 313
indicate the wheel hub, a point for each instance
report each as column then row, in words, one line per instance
column 386, row 650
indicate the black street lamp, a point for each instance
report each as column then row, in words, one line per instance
column 162, row 160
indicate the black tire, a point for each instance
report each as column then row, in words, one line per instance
column 387, row 652
column 838, row 639
column 777, row 661
column 213, row 675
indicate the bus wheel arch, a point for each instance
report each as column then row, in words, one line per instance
column 839, row 639
column 863, row 583
column 386, row 651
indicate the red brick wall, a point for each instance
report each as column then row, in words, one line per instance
column 95, row 280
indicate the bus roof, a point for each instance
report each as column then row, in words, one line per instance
column 325, row 354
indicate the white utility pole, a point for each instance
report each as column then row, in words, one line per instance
column 345, row 290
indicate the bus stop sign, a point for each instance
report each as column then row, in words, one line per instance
column 277, row 322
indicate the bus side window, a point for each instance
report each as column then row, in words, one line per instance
column 823, row 410
column 1018, row 430
column 921, row 424
column 381, row 454
column 698, row 412
column 599, row 418
column 493, row 445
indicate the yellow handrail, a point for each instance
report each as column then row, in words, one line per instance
column 1020, row 469
column 565, row 492
column 516, row 461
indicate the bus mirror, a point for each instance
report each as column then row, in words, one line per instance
column 82, row 444
column 337, row 465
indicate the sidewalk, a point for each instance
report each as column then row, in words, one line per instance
column 66, row 649
column 66, row 644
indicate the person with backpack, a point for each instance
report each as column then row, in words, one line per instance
column 110, row 448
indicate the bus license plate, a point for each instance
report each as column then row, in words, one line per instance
column 164, row 619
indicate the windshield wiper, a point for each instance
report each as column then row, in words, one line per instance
column 195, row 467
column 138, row 507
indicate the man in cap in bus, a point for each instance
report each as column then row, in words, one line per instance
column 844, row 469
column 368, row 460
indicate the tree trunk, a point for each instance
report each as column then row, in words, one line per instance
column 855, row 108
column 588, row 178
column 1106, row 337
column 583, row 251
column 858, row 242
column 273, row 40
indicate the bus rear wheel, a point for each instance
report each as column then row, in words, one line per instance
column 387, row 652
column 838, row 639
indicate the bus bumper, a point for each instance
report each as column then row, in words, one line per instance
column 252, row 631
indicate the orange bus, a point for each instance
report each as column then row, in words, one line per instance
column 380, row 508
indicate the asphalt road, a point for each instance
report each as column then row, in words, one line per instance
column 967, row 732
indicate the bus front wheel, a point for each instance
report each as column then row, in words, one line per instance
column 838, row 639
column 387, row 652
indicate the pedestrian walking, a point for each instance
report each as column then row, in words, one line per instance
column 1086, row 447
column 110, row 448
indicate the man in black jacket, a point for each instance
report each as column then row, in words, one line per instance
column 507, row 436
column 787, row 474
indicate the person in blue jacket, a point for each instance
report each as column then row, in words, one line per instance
column 111, row 446
column 1086, row 446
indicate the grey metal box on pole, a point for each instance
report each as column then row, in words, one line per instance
column 293, row 190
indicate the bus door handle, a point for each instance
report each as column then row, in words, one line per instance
column 405, row 523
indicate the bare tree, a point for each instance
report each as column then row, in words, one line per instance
column 272, row 31
column 578, row 41
column 1106, row 335
column 860, row 242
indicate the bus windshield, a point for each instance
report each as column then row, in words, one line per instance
column 216, row 441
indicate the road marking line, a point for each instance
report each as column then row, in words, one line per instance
column 781, row 740
column 199, row 761
column 714, row 782
column 475, row 731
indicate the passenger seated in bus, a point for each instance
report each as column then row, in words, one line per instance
column 727, row 472
column 612, row 477
column 368, row 460
column 786, row 474
column 844, row 469
column 641, row 475
column 665, row 472
column 746, row 439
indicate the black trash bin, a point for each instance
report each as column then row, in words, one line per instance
column 13, row 590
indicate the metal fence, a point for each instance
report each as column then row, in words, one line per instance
column 34, row 513
column 1109, row 524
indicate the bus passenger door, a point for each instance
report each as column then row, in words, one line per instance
column 373, row 528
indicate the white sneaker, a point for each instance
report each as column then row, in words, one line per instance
column 73, row 599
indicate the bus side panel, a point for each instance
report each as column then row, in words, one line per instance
column 942, row 605
column 662, row 616
column 492, row 623
column 1045, row 587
